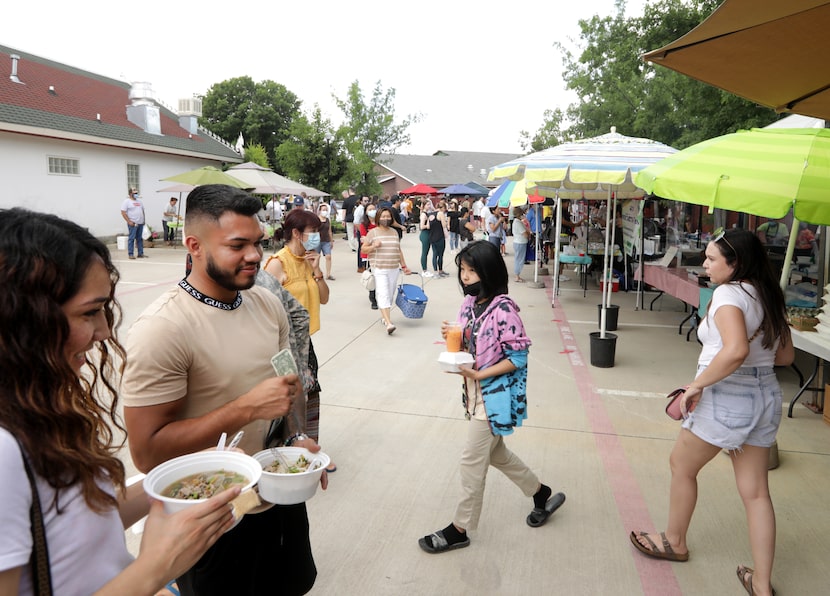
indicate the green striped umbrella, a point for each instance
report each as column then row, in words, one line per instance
column 207, row 175
column 762, row 172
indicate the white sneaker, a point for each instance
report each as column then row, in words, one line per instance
column 564, row 278
column 426, row 274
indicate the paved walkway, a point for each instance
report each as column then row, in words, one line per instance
column 394, row 425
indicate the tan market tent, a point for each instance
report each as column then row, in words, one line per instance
column 266, row 182
column 772, row 52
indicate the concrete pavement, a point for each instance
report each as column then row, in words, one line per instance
column 393, row 423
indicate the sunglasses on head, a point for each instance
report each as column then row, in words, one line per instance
column 720, row 234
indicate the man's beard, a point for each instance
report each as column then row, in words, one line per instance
column 225, row 278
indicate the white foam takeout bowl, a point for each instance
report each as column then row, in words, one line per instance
column 163, row 475
column 290, row 489
column 451, row 361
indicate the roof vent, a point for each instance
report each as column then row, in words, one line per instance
column 191, row 106
column 52, row 90
column 13, row 76
column 141, row 94
column 143, row 112
column 189, row 111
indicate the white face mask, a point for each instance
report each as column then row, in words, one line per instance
column 371, row 213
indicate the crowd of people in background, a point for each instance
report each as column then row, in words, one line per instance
column 443, row 223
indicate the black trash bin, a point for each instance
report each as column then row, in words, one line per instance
column 611, row 317
column 603, row 349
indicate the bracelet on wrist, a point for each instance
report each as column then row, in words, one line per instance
column 294, row 438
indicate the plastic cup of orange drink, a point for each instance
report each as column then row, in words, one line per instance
column 453, row 337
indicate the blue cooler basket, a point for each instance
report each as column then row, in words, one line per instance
column 411, row 300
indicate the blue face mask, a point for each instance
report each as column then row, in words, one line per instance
column 313, row 242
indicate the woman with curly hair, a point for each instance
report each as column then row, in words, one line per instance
column 59, row 431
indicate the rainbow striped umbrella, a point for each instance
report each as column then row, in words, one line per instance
column 509, row 194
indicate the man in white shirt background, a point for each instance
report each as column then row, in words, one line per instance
column 132, row 210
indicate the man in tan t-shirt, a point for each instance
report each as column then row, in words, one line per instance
column 199, row 365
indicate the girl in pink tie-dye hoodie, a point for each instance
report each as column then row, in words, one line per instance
column 494, row 395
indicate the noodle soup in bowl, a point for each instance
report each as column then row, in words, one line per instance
column 195, row 477
column 295, row 485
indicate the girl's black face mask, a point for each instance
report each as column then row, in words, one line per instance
column 473, row 289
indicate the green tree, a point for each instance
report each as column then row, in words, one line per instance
column 615, row 87
column 313, row 154
column 262, row 112
column 256, row 153
column 368, row 130
column 549, row 134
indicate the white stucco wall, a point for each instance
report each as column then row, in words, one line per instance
column 92, row 199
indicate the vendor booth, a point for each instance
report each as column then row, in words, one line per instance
column 780, row 174
column 598, row 169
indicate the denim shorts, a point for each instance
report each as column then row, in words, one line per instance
column 742, row 409
column 325, row 248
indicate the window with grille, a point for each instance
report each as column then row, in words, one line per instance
column 132, row 176
column 64, row 166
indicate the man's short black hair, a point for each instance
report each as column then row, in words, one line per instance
column 211, row 201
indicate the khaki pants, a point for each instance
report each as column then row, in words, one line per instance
column 483, row 450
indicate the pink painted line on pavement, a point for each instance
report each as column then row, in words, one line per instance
column 657, row 578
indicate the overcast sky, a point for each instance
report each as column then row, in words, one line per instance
column 478, row 71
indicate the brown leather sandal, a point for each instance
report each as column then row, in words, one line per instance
column 745, row 577
column 651, row 550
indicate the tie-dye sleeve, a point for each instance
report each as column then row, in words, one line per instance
column 512, row 334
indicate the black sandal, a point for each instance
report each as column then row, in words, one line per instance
column 437, row 543
column 539, row 516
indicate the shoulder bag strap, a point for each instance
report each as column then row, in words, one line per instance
column 41, row 574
